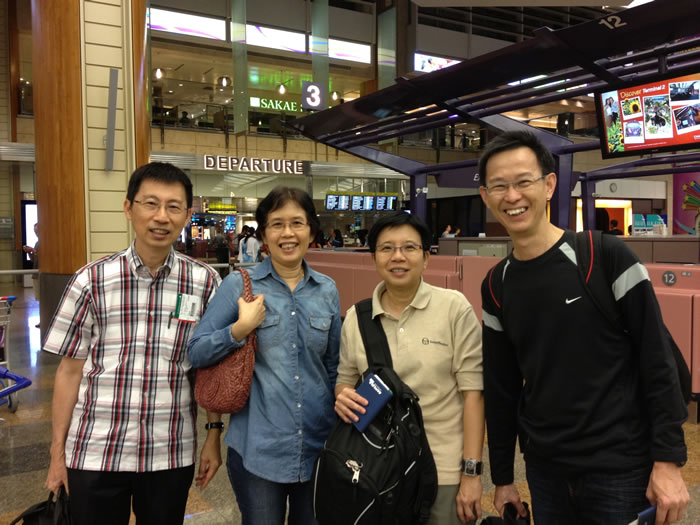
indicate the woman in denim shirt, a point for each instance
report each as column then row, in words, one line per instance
column 273, row 442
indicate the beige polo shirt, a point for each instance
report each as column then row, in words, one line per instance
column 436, row 349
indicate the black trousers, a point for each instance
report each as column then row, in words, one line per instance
column 106, row 497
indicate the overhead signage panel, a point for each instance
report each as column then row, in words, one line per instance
column 184, row 24
column 274, row 104
column 253, row 165
column 313, row 96
column 430, row 63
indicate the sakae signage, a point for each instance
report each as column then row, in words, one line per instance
column 253, row 165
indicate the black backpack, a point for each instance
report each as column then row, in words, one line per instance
column 588, row 248
column 385, row 475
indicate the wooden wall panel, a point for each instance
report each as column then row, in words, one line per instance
column 142, row 128
column 59, row 134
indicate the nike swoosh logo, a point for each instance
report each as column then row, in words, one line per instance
column 569, row 301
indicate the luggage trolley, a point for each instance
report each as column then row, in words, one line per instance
column 9, row 383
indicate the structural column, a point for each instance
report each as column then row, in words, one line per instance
column 239, row 50
column 76, row 43
column 319, row 44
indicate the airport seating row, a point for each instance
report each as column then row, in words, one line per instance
column 677, row 288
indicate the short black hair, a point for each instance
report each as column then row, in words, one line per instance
column 278, row 197
column 394, row 220
column 613, row 223
column 514, row 140
column 160, row 172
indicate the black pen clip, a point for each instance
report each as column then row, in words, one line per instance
column 170, row 318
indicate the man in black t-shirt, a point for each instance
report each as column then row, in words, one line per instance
column 598, row 411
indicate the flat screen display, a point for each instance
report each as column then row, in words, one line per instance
column 663, row 115
column 368, row 202
column 357, row 203
column 386, row 202
column 430, row 63
column 335, row 202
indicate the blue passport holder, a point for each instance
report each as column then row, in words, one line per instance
column 646, row 517
column 377, row 394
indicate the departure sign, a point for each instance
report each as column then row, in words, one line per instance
column 313, row 96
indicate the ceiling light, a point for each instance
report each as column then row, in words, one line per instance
column 334, row 96
column 159, row 73
column 226, row 101
column 180, row 84
column 170, row 92
column 224, row 81
column 282, row 90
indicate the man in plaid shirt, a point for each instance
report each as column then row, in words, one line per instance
column 123, row 406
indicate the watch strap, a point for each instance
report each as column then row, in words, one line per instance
column 219, row 425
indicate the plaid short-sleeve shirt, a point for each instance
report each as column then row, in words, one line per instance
column 135, row 410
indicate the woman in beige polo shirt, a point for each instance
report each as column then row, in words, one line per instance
column 435, row 343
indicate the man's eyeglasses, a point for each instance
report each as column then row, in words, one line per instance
column 152, row 206
column 520, row 186
column 279, row 226
column 409, row 249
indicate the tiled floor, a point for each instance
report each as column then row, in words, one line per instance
column 25, row 437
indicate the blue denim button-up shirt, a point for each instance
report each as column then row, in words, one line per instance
column 281, row 430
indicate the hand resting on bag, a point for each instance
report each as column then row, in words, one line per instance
column 250, row 315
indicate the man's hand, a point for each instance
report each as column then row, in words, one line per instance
column 508, row 494
column 58, row 475
column 209, row 460
column 469, row 498
column 668, row 492
column 346, row 401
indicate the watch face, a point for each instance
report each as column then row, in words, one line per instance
column 471, row 467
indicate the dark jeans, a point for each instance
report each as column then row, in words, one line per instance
column 263, row 502
column 590, row 499
column 106, row 497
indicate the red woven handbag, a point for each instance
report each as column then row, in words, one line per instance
column 224, row 387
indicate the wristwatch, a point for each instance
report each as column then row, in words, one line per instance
column 217, row 424
column 471, row 467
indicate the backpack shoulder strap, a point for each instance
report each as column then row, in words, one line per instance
column 373, row 336
column 591, row 270
column 495, row 284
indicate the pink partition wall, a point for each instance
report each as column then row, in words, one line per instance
column 356, row 277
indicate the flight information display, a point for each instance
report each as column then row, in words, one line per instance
column 386, row 202
column 358, row 203
column 337, row 202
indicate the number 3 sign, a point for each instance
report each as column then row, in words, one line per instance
column 313, row 96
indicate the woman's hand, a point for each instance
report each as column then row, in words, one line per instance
column 250, row 315
column 347, row 402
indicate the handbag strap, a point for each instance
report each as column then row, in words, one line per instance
column 247, row 286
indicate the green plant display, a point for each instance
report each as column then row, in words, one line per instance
column 615, row 139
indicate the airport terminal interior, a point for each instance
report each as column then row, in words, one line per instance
column 371, row 106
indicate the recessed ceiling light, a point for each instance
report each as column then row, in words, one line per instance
column 180, row 84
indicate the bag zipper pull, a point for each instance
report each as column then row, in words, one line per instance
column 355, row 467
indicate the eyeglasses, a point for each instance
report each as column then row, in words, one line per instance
column 409, row 249
column 152, row 206
column 519, row 186
column 279, row 226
